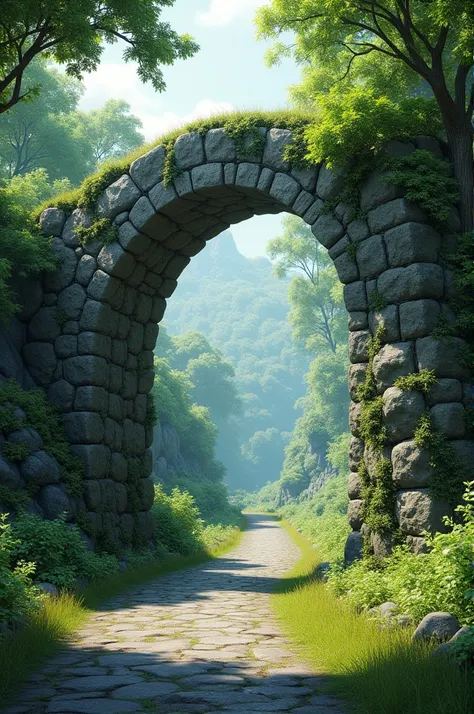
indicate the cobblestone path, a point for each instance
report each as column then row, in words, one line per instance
column 199, row 640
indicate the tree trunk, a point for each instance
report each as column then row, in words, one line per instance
column 460, row 136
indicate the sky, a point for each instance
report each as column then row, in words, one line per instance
column 228, row 72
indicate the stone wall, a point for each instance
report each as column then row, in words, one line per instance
column 90, row 343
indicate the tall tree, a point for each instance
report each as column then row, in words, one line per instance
column 73, row 33
column 317, row 313
column 433, row 39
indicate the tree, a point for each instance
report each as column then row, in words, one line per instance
column 31, row 189
column 110, row 131
column 318, row 313
column 432, row 39
column 73, row 33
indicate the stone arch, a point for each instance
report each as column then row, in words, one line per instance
column 90, row 343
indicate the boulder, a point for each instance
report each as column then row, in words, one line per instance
column 411, row 465
column 388, row 609
column 417, row 511
column 48, row 589
column 9, row 474
column 39, row 469
column 321, row 570
column 401, row 412
column 53, row 501
column 353, row 547
column 437, row 625
column 26, row 436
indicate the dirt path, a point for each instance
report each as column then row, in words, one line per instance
column 199, row 640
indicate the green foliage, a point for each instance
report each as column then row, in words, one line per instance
column 11, row 498
column 440, row 580
column 151, row 416
column 338, row 452
column 17, row 593
column 43, row 417
column 462, row 649
column 378, row 494
column 30, row 189
column 177, row 522
column 376, row 301
column 427, row 181
column 421, row 381
column 99, row 230
column 449, row 472
column 14, row 451
column 58, row 552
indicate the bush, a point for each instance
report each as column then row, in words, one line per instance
column 438, row 580
column 17, row 592
column 178, row 525
column 58, row 551
column 210, row 498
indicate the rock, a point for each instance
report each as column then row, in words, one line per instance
column 388, row 320
column 393, row 361
column 276, row 141
column 359, row 346
column 437, row 625
column 188, row 150
column 64, row 274
column 148, row 169
column 118, row 197
column 85, row 269
column 71, row 300
column 219, row 146
column 44, row 325
column 417, row 511
column 412, row 243
column 393, row 213
column 330, row 183
column 9, row 474
column 354, row 486
column 39, row 469
column 401, row 413
column 11, row 363
column 416, row 281
column 449, row 419
column 388, row 609
column 52, row 221
column 354, row 513
column 370, row 257
column 411, row 466
column 381, row 544
column 356, row 452
column 26, row 436
column 327, row 230
column 418, row 318
column 353, row 547
column 284, row 189
column 321, row 571
column 48, row 588
column 417, row 544
column 357, row 321
column 355, row 412
column 115, row 261
column 445, row 390
column 442, row 356
column 53, row 501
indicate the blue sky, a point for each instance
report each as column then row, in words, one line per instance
column 228, row 73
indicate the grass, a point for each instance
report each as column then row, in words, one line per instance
column 375, row 671
column 47, row 629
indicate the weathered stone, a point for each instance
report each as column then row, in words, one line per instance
column 327, row 230
column 85, row 269
column 357, row 321
column 393, row 213
column 41, row 361
column 98, row 317
column 206, row 176
column 51, row 221
column 393, row 361
column 53, row 501
column 411, row 466
column 445, row 390
column 437, row 625
column 276, row 141
column 371, row 257
column 353, row 548
column 92, row 495
column 118, row 197
column 357, row 374
column 354, row 418
column 401, row 413
column 417, row 545
column 354, row 486
column 114, row 260
column 355, row 297
column 418, row 318
column 358, row 346
column 354, row 513
column 27, row 436
column 441, row 356
column 44, row 325
column 376, row 190
column 148, row 169
column 118, row 467
column 381, row 544
column 419, row 280
column 387, row 318
column 330, row 183
column 449, row 419
column 61, row 394
column 95, row 457
column 417, row 511
column 64, row 274
column 79, row 218
column 39, row 469
column 358, row 230
column 89, row 398
column 71, row 301
column 219, row 146
column 346, row 268
column 85, row 370
column 94, row 343
column 412, row 243
column 356, row 452
column 84, row 427
column 188, row 150
column 314, row 212
column 464, row 452
column 9, row 474
column 284, row 189
column 303, row 201
column 247, row 175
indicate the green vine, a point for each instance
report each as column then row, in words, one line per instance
column 421, row 381
column 101, row 230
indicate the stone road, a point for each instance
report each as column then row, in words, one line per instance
column 199, row 640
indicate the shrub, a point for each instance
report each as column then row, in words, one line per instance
column 178, row 525
column 17, row 593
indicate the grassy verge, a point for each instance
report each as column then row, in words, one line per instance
column 50, row 627
column 375, row 671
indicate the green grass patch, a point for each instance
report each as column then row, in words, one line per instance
column 50, row 627
column 375, row 671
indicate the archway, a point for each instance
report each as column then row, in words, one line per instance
column 90, row 343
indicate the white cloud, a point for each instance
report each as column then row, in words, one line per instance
column 223, row 12
column 120, row 81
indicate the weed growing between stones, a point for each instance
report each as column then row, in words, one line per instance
column 376, row 301
column 421, row 381
column 100, row 230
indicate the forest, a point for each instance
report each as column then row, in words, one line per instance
column 267, row 408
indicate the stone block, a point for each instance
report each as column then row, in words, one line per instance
column 118, row 467
column 393, row 213
column 275, row 143
column 327, row 230
column 418, row 318
column 401, row 413
column 79, row 218
column 417, row 281
column 382, row 546
column 71, row 301
column 355, row 297
column 61, row 394
column 388, row 320
column 51, row 221
column 354, row 513
column 377, row 190
column 441, row 356
column 118, row 197
column 135, row 338
column 417, row 544
column 175, row 266
column 84, row 427
column 303, row 201
column 445, row 390
column 189, row 150
column 354, row 486
column 121, row 497
column 143, row 308
column 85, row 269
column 92, row 495
column 66, row 270
column 265, row 181
column 145, row 525
column 129, row 384
column 371, row 257
column 115, row 261
column 65, row 346
column 449, row 419
column 346, row 268
column 358, row 346
column 150, row 336
column 393, row 361
column 95, row 457
column 353, row 548
column 412, row 243
column 357, row 321
column 418, row 511
column 148, row 169
column 284, row 189
column 86, row 370
column 356, row 452
column 91, row 399
column 355, row 411
column 429, row 143
column 147, row 493
column 41, row 362
column 464, row 452
column 53, row 501
column 357, row 374
column 411, row 466
column 358, row 230
column 340, row 247
column 206, row 176
column 44, row 325
column 330, row 183
column 306, row 177
column 314, row 212
column 219, row 146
